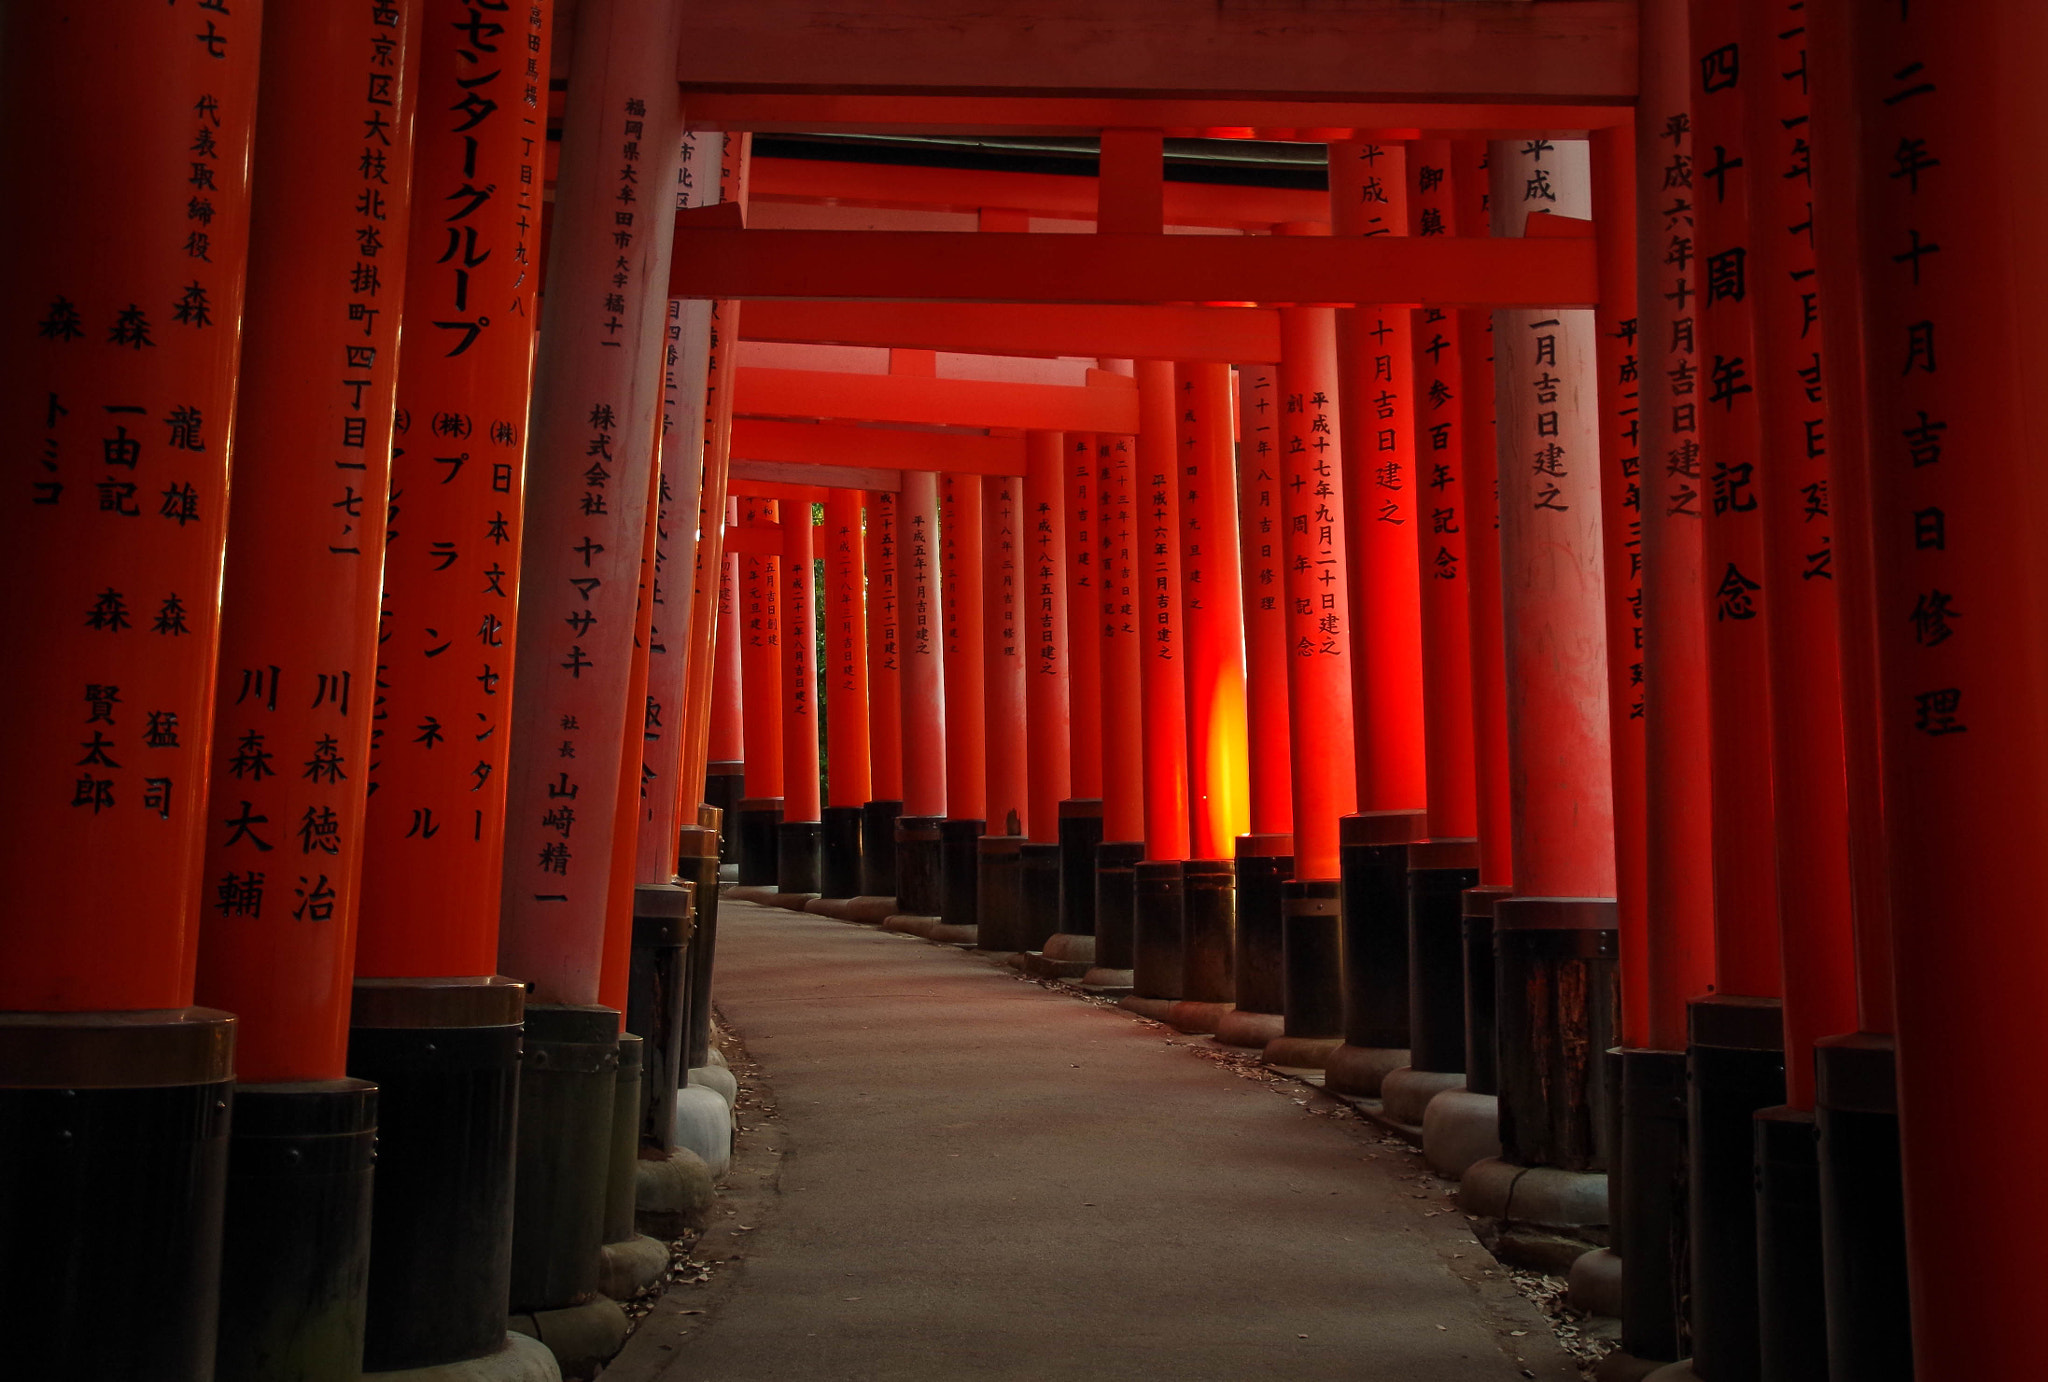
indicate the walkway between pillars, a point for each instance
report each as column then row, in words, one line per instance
column 982, row 1178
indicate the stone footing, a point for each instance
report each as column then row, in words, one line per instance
column 1197, row 1018
column 626, row 1269
column 522, row 1359
column 945, row 933
column 1301, row 1053
column 1158, row 1009
column 1680, row 1371
column 1361, row 1070
column 1405, row 1093
column 753, row 892
column 870, row 911
column 1106, row 983
column 911, row 924
column 1459, row 1129
column 1542, row 1199
column 1595, row 1282
column 583, row 1337
column 1250, row 1030
column 716, row 1077
column 672, row 1194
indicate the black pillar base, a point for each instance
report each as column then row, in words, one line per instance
column 797, row 859
column 1312, row 945
column 445, row 1056
column 569, row 1077
column 1558, row 986
column 623, row 1154
column 1792, row 1311
column 1158, row 917
column 698, row 862
column 1482, row 1045
column 1209, row 932
column 999, row 893
column 113, row 1136
column 1372, row 857
column 1116, row 901
column 724, row 785
column 839, row 851
column 760, row 833
column 1863, row 1220
column 1649, row 1213
column 960, row 871
column 1738, row 1066
column 1042, row 866
column 1080, row 833
column 878, row 848
column 1264, row 864
column 295, row 1243
column 920, row 866
column 658, row 1000
column 1439, row 871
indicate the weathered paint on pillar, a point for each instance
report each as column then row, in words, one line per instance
column 1123, row 749
column 1318, row 615
column 1442, row 516
column 1042, row 628
column 885, row 651
column 728, row 734
column 1548, row 444
column 1617, row 357
column 960, row 561
column 847, row 776
column 1677, row 818
column 1081, row 650
column 797, row 617
column 1738, row 595
column 1262, row 567
column 434, row 829
column 919, row 615
column 760, row 595
column 1003, row 647
column 1951, row 103
column 1218, row 787
column 123, row 323
column 1368, row 197
column 597, row 388
column 1162, row 651
column 294, row 698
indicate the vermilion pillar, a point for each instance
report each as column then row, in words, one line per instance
column 1081, row 821
column 299, row 673
column 760, row 592
column 727, row 730
column 966, row 737
column 1952, row 284
column 614, row 977
column 123, row 329
column 1047, row 650
column 885, row 699
column 1318, row 679
column 1264, row 855
column 1218, row 812
column 919, row 619
column 797, row 852
column 844, row 671
column 1123, row 766
column 999, row 885
column 1554, row 940
column 1441, row 870
column 1677, row 828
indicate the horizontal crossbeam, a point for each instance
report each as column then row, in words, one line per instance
column 1222, row 335
column 909, row 400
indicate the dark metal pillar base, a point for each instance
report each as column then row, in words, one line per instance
column 1159, row 919
column 1558, row 987
column 878, row 848
column 1209, row 934
column 658, row 1000
column 797, row 862
column 699, row 852
column 839, row 851
column 1863, row 1221
column 1312, row 944
column 295, row 1243
column 724, row 785
column 1372, row 856
column 759, row 831
column 1738, row 1066
column 113, row 1131
column 1264, row 864
column 1482, row 1047
column 1041, row 865
column 1649, row 1214
column 1116, row 901
column 1439, row 871
column 920, row 866
column 999, row 893
column 623, row 1157
column 960, row 872
column 1792, row 1314
column 565, row 1135
column 1080, row 833
column 444, row 1054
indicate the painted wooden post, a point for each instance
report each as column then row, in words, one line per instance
column 966, row 738
column 885, row 699
column 919, row 618
column 1047, row 650
column 1081, row 819
column 999, row 862
column 797, row 847
column 759, row 828
column 849, row 781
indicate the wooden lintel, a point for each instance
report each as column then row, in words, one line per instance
column 878, row 449
column 914, row 266
column 1224, row 335
column 901, row 399
column 749, row 477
